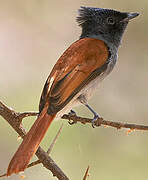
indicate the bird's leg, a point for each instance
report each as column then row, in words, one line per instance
column 96, row 115
column 83, row 100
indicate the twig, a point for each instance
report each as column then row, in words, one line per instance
column 86, row 174
column 50, row 148
column 55, row 139
column 101, row 121
column 15, row 119
column 3, row 175
column 34, row 163
column 27, row 114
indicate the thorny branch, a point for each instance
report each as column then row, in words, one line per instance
column 101, row 121
column 49, row 149
column 15, row 120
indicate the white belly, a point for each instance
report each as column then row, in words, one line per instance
column 89, row 89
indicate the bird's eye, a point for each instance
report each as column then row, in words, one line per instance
column 110, row 21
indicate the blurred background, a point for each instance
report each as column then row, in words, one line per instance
column 33, row 35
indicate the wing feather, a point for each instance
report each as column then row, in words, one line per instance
column 79, row 64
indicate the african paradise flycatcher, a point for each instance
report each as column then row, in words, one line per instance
column 76, row 75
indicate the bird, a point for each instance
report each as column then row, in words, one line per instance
column 76, row 75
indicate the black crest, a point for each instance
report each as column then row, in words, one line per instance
column 104, row 24
column 91, row 15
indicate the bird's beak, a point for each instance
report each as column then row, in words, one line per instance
column 130, row 16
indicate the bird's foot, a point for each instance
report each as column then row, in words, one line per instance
column 96, row 117
column 72, row 113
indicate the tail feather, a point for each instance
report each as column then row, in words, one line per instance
column 30, row 144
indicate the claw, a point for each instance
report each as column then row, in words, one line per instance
column 72, row 113
column 96, row 116
column 72, row 122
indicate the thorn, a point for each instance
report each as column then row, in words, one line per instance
column 129, row 131
column 22, row 176
column 19, row 138
column 86, row 174
column 105, row 126
column 11, row 108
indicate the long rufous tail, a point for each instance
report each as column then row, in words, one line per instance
column 30, row 144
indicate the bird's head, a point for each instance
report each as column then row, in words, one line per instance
column 104, row 24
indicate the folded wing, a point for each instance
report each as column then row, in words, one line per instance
column 81, row 63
